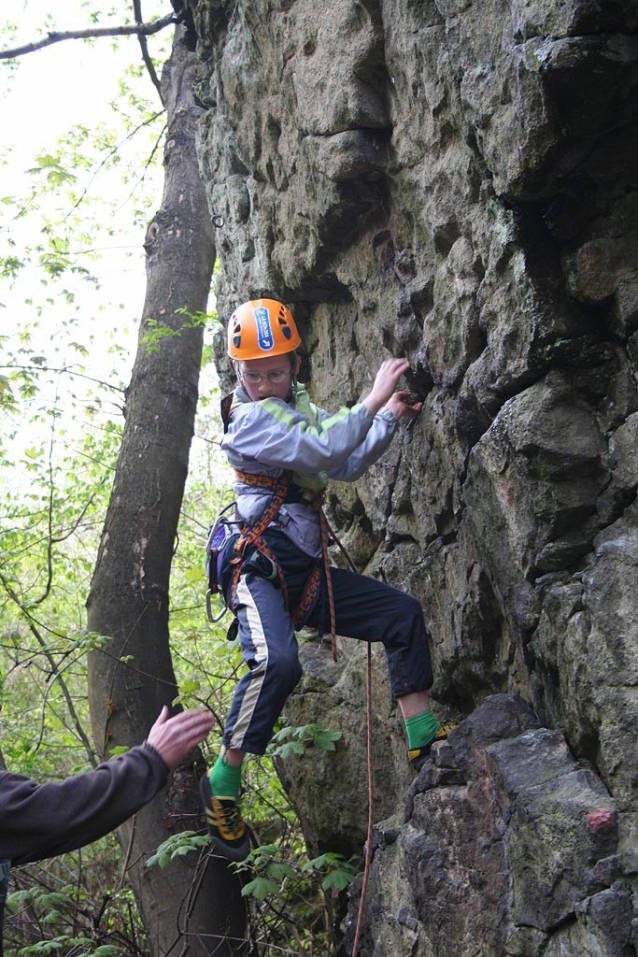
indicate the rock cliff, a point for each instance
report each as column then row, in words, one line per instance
column 456, row 181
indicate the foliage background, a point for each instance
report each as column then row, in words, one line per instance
column 80, row 181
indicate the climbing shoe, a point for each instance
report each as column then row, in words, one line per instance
column 418, row 756
column 226, row 826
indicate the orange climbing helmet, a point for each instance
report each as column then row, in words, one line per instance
column 261, row 327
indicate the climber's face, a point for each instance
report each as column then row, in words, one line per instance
column 270, row 377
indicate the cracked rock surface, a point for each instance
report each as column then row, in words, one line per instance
column 456, row 182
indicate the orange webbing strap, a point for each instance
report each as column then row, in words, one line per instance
column 263, row 481
column 313, row 583
column 254, row 536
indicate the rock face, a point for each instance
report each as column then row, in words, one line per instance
column 456, row 181
column 508, row 846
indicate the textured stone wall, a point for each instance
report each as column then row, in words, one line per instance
column 456, row 181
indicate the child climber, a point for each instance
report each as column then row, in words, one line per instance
column 284, row 450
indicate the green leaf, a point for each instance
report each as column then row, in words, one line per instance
column 315, row 864
column 177, row 845
column 324, row 740
column 54, row 899
column 190, row 685
column 264, row 850
column 261, row 888
column 283, row 734
column 278, row 871
column 19, row 897
column 289, row 749
column 34, row 452
column 338, row 880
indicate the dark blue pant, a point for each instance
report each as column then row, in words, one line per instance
column 364, row 608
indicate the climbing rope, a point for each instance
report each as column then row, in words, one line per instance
column 325, row 535
column 368, row 856
column 368, row 859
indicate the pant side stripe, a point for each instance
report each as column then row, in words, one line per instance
column 258, row 674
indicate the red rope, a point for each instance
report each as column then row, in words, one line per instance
column 368, row 859
column 368, row 856
column 323, row 521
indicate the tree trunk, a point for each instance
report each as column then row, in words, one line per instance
column 196, row 903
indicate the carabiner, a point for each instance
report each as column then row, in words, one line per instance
column 209, row 609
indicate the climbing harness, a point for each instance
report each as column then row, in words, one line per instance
column 254, row 535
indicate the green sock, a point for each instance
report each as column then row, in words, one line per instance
column 421, row 729
column 225, row 779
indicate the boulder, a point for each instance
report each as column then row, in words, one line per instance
column 508, row 845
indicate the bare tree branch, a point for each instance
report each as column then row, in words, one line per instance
column 141, row 29
column 55, row 673
column 137, row 10
column 69, row 370
column 147, row 165
column 112, row 153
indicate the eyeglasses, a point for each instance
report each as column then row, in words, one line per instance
column 275, row 378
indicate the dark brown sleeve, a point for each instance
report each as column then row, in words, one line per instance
column 41, row 820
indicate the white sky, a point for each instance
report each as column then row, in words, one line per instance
column 51, row 90
column 67, row 84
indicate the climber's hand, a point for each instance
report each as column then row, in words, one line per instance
column 385, row 383
column 403, row 405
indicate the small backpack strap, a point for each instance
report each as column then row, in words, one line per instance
column 225, row 408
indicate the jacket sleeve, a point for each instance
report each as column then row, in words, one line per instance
column 377, row 440
column 41, row 820
column 270, row 433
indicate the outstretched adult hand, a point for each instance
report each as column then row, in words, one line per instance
column 174, row 737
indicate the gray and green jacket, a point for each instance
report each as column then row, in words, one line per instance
column 271, row 436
